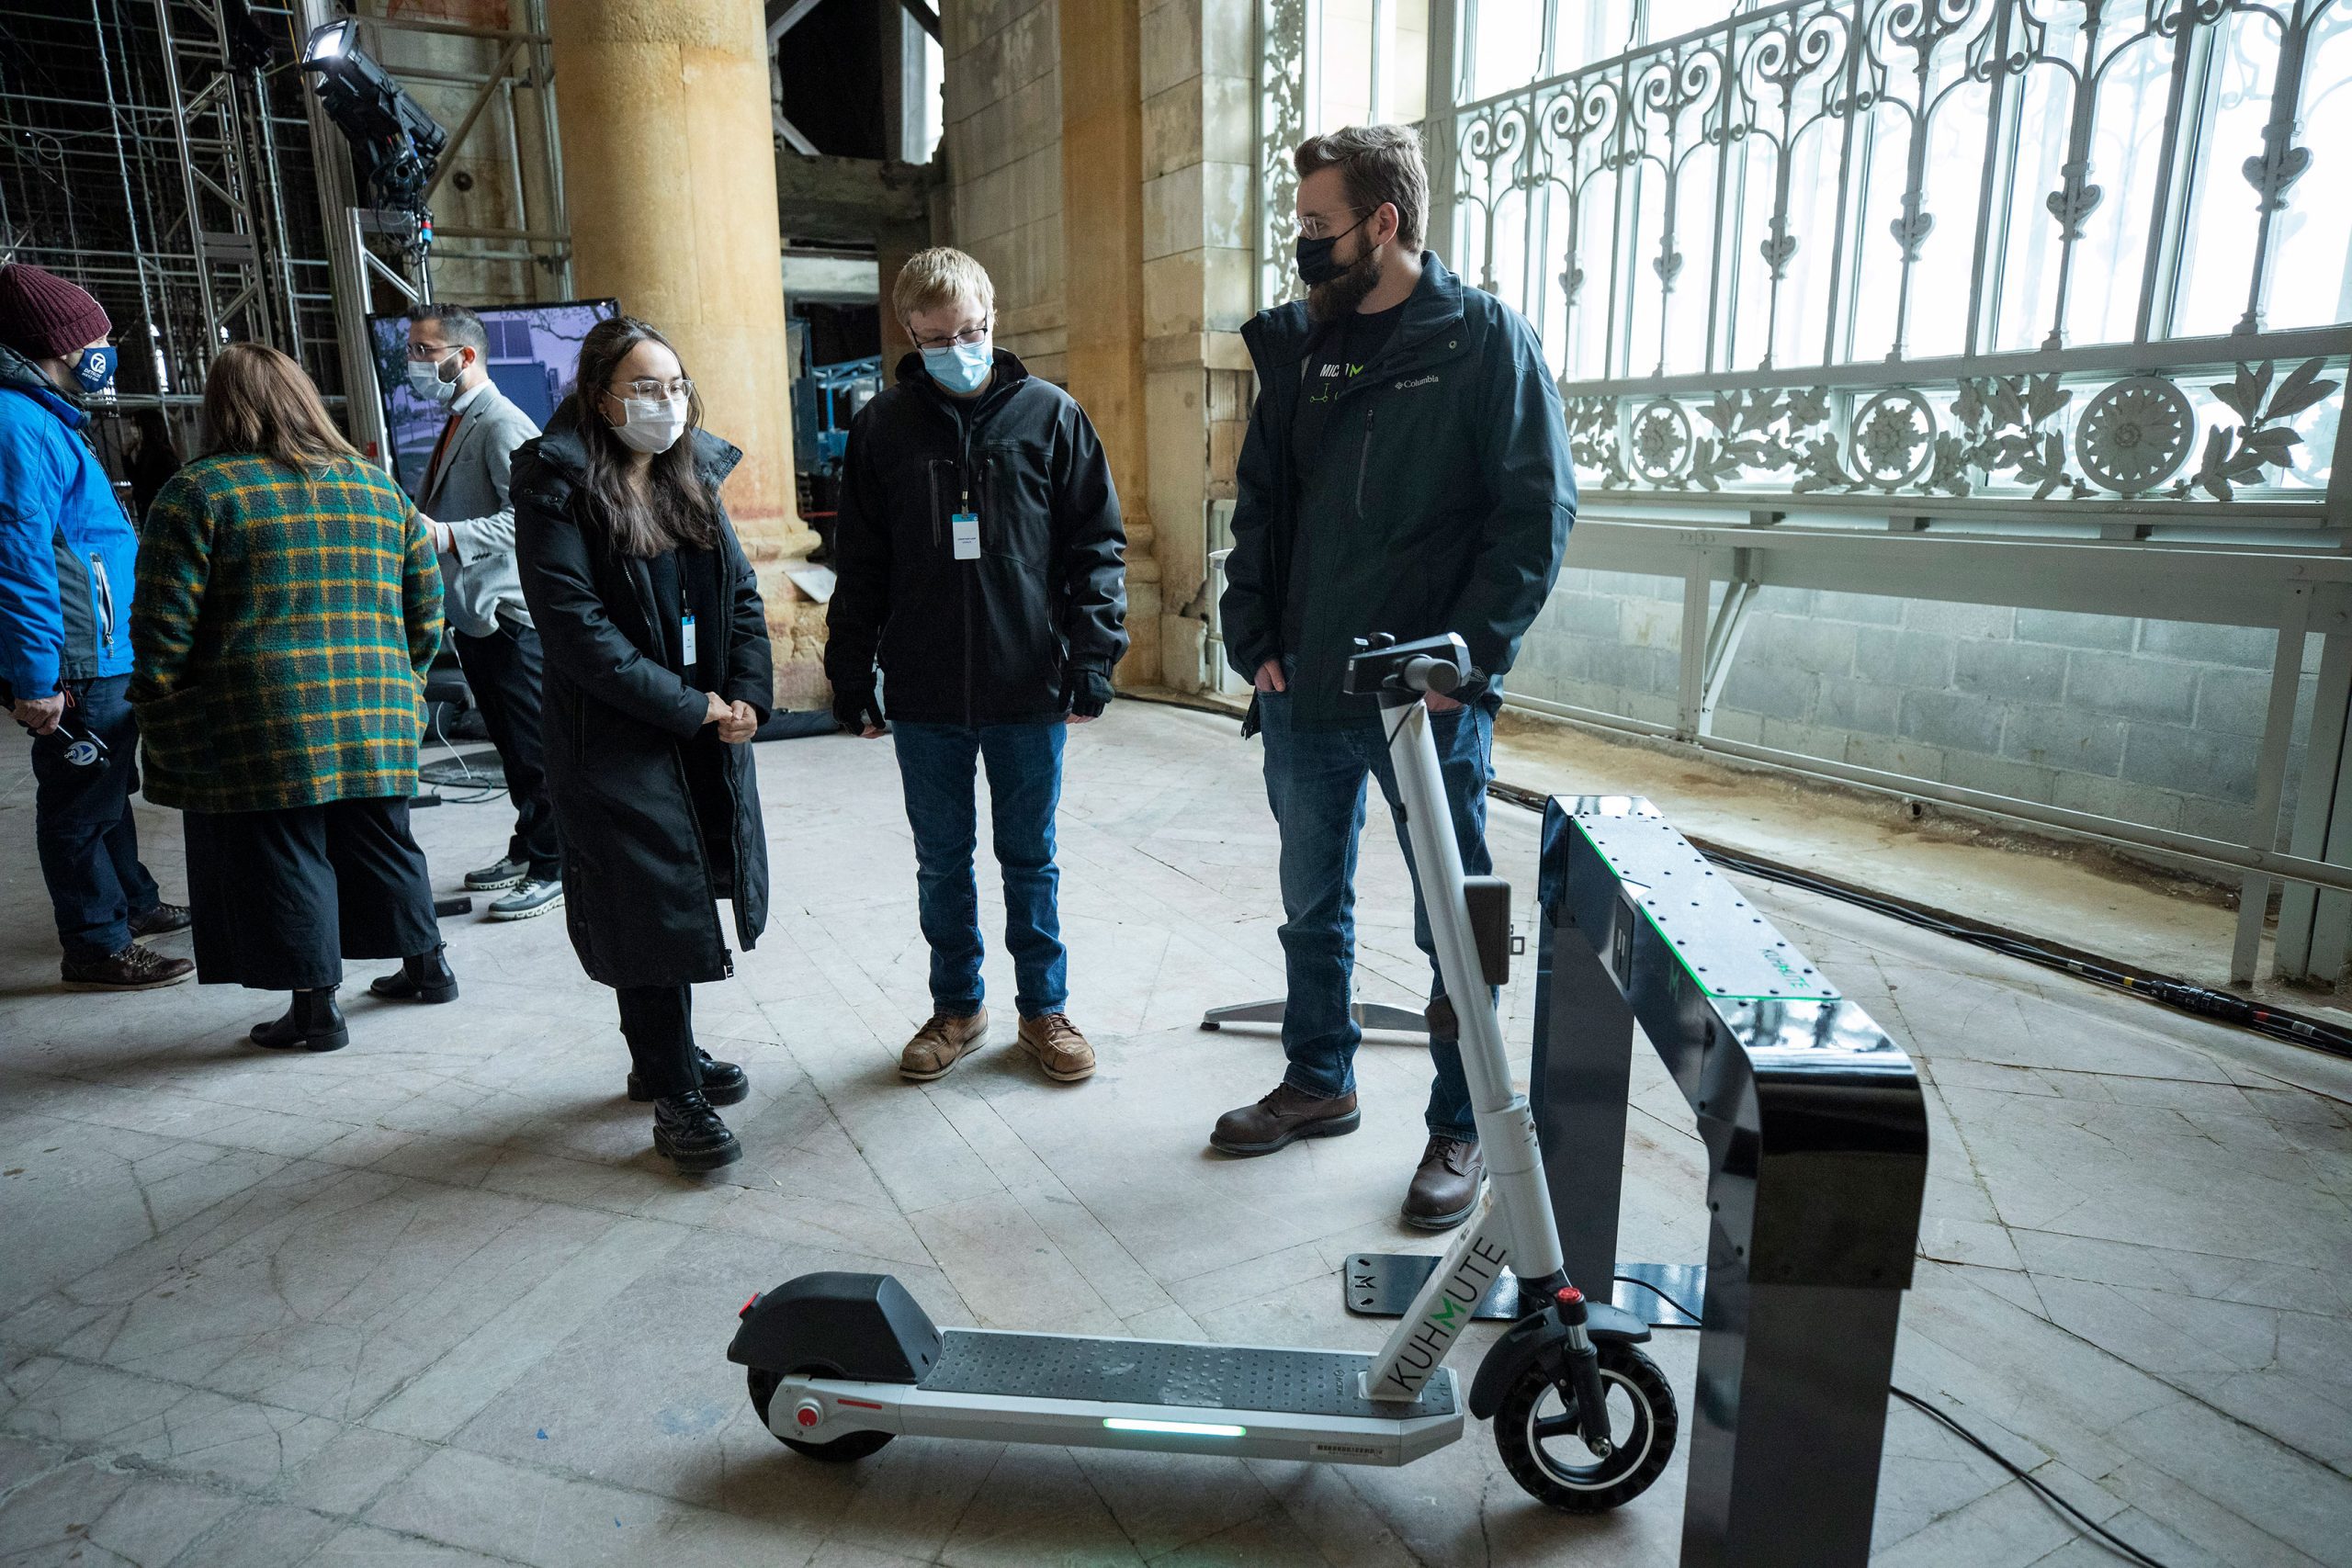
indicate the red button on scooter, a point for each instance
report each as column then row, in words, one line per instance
column 810, row 1412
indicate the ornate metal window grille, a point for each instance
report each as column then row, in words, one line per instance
column 2076, row 251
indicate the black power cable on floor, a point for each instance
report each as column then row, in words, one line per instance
column 2040, row 1488
column 2276, row 1023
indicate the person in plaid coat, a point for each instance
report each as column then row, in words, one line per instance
column 289, row 603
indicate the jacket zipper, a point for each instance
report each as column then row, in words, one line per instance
column 640, row 588
column 971, row 579
column 106, row 599
column 1363, row 461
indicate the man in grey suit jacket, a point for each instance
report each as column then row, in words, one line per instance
column 463, row 502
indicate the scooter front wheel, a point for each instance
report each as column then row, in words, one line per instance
column 840, row 1450
column 1537, row 1432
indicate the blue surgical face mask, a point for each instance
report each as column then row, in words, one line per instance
column 94, row 368
column 961, row 369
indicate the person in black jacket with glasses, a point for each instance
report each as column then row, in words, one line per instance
column 980, row 561
column 658, row 673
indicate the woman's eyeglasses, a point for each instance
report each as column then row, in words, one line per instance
column 651, row 391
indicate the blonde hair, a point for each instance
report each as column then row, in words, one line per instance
column 941, row 276
column 257, row 400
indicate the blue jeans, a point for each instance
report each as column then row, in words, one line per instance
column 938, row 764
column 1315, row 781
column 81, row 821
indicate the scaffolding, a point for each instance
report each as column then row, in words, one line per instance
column 156, row 153
column 166, row 155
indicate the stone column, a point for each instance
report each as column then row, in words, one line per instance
column 1198, row 78
column 1101, row 268
column 671, row 184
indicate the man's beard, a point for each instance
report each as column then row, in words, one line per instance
column 1339, row 299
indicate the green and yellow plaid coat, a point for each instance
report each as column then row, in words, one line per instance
column 282, row 626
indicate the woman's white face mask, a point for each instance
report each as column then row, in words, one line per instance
column 652, row 424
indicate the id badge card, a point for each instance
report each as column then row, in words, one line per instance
column 687, row 638
column 965, row 535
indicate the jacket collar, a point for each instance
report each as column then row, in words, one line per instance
column 1010, row 373
column 562, row 449
column 18, row 374
column 1285, row 334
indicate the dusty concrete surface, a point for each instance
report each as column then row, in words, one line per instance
column 432, row 1300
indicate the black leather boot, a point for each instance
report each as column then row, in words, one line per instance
column 689, row 1135
column 312, row 1023
column 427, row 977
column 723, row 1083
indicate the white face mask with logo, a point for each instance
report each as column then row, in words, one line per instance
column 653, row 424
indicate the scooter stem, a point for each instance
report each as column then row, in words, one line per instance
column 1506, row 1128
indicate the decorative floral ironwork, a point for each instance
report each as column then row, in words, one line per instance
column 1592, row 439
column 2135, row 434
column 1281, row 127
column 1894, row 435
column 2237, row 457
column 1661, row 442
column 1770, row 188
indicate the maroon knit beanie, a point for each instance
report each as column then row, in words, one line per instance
column 44, row 317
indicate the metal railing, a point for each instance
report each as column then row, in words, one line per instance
column 2062, row 250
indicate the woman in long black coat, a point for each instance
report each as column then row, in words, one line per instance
column 657, row 674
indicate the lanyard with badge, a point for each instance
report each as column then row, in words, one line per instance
column 964, row 525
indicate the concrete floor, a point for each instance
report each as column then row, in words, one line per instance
column 432, row 1300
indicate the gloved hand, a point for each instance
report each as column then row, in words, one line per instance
column 1087, row 690
column 857, row 709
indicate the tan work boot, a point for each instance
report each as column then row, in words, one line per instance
column 1061, row 1052
column 940, row 1044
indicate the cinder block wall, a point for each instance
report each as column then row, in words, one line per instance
column 2155, row 721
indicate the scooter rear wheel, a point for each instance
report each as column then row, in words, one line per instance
column 840, row 1450
column 1536, row 1430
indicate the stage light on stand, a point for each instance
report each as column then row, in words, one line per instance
column 395, row 143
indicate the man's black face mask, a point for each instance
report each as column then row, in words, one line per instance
column 1314, row 263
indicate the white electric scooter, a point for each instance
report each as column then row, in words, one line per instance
column 842, row 1363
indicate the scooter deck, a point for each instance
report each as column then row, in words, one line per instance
column 1246, row 1401
column 1164, row 1372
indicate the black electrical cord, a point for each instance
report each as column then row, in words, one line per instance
column 2040, row 1488
column 2276, row 1023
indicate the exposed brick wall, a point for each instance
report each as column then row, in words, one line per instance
column 2155, row 721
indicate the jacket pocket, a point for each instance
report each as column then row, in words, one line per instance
column 176, row 733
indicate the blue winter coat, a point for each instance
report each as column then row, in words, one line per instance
column 68, row 556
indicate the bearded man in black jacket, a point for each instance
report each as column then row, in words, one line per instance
column 980, row 562
column 1407, row 471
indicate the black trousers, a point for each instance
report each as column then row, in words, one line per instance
column 658, row 1021
column 82, row 823
column 281, row 898
column 503, row 671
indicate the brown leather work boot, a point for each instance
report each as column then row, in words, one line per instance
column 1282, row 1118
column 1061, row 1053
column 940, row 1044
column 1445, row 1187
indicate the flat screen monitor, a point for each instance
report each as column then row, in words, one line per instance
column 533, row 349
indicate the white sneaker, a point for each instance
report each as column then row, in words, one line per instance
column 530, row 898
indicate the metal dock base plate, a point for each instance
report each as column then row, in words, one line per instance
column 1368, row 1015
column 1383, row 1285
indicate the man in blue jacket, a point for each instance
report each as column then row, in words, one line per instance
column 1406, row 471
column 67, row 564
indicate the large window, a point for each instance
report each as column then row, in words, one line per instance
column 2072, row 249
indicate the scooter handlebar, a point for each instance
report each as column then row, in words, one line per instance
column 1383, row 666
column 1427, row 674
